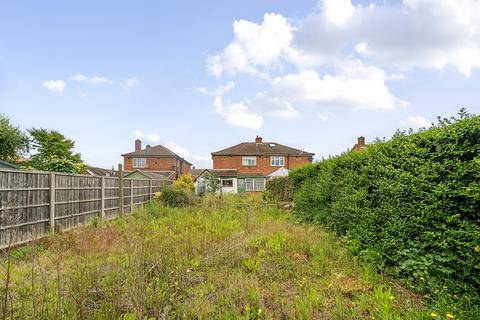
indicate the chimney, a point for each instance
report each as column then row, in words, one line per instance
column 361, row 141
column 258, row 139
column 138, row 145
column 148, row 146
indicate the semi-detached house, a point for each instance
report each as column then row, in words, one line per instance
column 247, row 165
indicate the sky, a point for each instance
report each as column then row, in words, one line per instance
column 200, row 76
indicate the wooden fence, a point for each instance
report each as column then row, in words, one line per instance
column 34, row 203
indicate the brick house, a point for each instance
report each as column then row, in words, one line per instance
column 155, row 159
column 360, row 145
column 254, row 162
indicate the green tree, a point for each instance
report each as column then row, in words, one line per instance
column 185, row 182
column 54, row 152
column 13, row 142
column 211, row 182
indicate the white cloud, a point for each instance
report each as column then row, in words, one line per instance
column 416, row 122
column 152, row 138
column 237, row 114
column 78, row 77
column 137, row 134
column 355, row 85
column 415, row 33
column 94, row 80
column 275, row 106
column 131, row 83
column 55, row 85
column 181, row 151
column 325, row 116
column 254, row 45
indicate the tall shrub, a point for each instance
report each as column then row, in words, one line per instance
column 410, row 205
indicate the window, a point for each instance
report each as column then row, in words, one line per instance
column 139, row 162
column 277, row 161
column 257, row 184
column 250, row 161
column 260, row 184
column 227, row 183
column 249, row 184
column 241, row 185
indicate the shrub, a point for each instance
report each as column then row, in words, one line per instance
column 409, row 205
column 175, row 197
column 184, row 182
column 278, row 189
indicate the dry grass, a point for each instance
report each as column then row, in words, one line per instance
column 230, row 258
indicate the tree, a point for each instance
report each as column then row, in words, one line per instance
column 211, row 182
column 54, row 152
column 13, row 142
column 185, row 182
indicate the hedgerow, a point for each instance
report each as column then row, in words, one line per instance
column 278, row 189
column 410, row 206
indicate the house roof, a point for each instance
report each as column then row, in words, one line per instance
column 217, row 172
column 155, row 151
column 7, row 165
column 196, row 172
column 155, row 175
column 262, row 148
column 100, row 171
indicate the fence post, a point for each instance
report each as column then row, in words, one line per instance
column 120, row 190
column 131, row 196
column 52, row 202
column 102, row 212
column 150, row 188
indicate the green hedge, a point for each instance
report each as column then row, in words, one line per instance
column 410, row 206
column 278, row 189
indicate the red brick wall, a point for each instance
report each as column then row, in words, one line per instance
column 263, row 164
column 158, row 164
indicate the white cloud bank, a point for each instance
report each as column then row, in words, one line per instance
column 416, row 122
column 93, row 80
column 355, row 43
column 54, row 85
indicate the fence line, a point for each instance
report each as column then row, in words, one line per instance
column 34, row 203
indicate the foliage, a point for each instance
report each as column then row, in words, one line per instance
column 54, row 152
column 238, row 259
column 211, row 181
column 184, row 182
column 175, row 196
column 13, row 142
column 278, row 189
column 409, row 206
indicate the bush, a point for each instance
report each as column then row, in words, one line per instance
column 409, row 205
column 278, row 189
column 184, row 182
column 174, row 197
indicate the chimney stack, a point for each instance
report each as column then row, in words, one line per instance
column 361, row 141
column 258, row 139
column 138, row 145
column 148, row 146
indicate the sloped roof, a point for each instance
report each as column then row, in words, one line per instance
column 100, row 171
column 262, row 148
column 155, row 151
column 281, row 172
column 219, row 172
column 196, row 172
column 7, row 165
column 155, row 175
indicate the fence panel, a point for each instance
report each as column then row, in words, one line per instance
column 31, row 201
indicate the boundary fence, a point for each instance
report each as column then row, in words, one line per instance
column 34, row 203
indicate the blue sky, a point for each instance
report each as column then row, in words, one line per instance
column 199, row 76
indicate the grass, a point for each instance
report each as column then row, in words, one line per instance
column 229, row 258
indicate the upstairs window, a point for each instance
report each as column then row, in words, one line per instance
column 249, row 161
column 277, row 161
column 139, row 162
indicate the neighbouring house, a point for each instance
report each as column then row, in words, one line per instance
column 227, row 180
column 255, row 162
column 152, row 175
column 156, row 158
column 360, row 145
column 95, row 171
column 8, row 165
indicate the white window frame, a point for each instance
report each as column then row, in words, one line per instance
column 277, row 161
column 251, row 184
column 224, row 180
column 249, row 161
column 139, row 162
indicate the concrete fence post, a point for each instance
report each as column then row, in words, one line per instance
column 52, row 202
column 131, row 196
column 151, row 190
